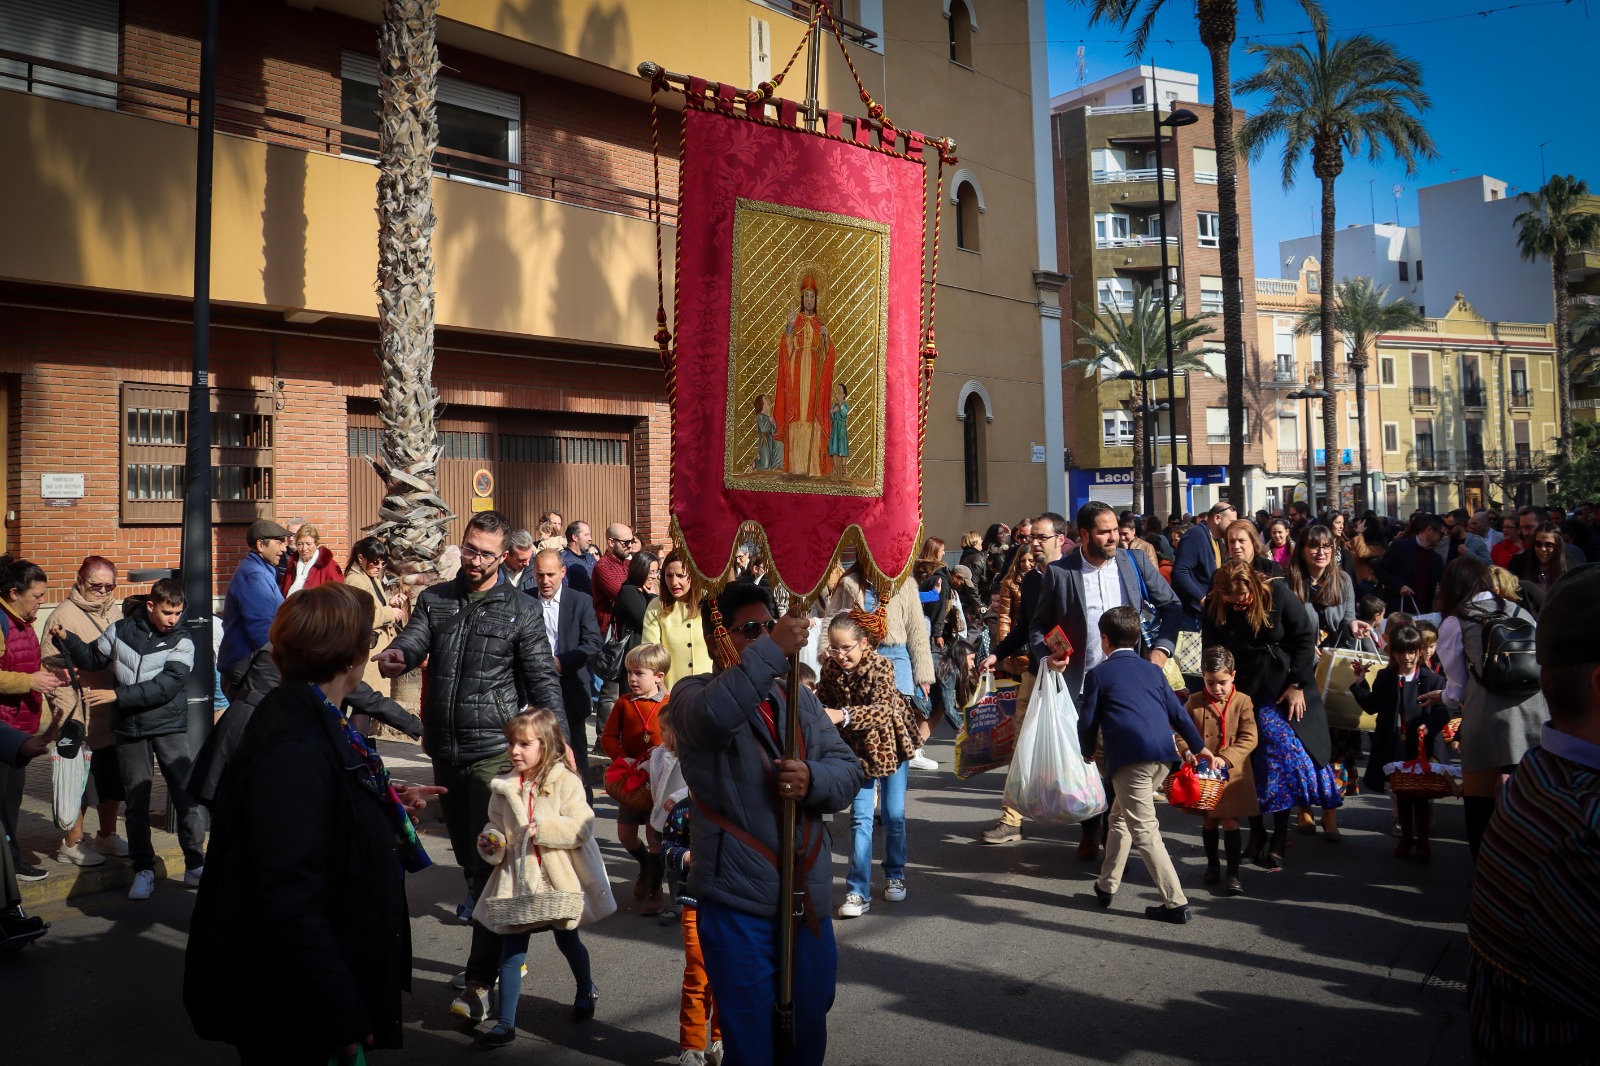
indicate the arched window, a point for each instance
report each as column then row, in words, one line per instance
column 975, row 419
column 969, row 205
column 962, row 24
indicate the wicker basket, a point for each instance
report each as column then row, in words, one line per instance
column 1210, row 793
column 536, row 904
column 1423, row 782
column 635, row 799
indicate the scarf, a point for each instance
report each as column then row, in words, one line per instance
column 412, row 854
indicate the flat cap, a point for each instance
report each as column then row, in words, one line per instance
column 265, row 529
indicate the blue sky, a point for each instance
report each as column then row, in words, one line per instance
column 1501, row 83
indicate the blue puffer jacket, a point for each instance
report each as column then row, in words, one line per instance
column 727, row 758
column 253, row 601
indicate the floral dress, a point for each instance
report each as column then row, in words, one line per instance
column 1286, row 777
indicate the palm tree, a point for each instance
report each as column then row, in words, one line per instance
column 1136, row 341
column 1218, row 21
column 1361, row 314
column 413, row 515
column 1353, row 94
column 1559, row 221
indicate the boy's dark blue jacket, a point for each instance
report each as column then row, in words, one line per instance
column 1127, row 700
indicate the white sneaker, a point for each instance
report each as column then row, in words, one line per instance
column 112, row 845
column 714, row 1053
column 854, row 906
column 144, row 883
column 80, row 854
column 895, row 890
column 920, row 761
column 691, row 1058
column 192, row 877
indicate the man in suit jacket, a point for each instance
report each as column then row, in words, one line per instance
column 1081, row 587
column 574, row 636
column 1197, row 557
column 1409, row 571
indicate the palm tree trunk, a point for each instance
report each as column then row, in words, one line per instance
column 1138, row 459
column 1330, row 356
column 1218, row 20
column 413, row 516
column 1358, row 367
column 1558, row 279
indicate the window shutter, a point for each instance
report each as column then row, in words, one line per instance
column 79, row 33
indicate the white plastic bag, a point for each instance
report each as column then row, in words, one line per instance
column 1049, row 780
column 68, row 780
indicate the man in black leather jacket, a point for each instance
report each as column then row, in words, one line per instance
column 488, row 656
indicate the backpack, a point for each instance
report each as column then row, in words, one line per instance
column 1508, row 665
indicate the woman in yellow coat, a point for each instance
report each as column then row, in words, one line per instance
column 673, row 621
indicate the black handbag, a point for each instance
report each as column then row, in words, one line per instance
column 606, row 664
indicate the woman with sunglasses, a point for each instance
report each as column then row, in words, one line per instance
column 1540, row 565
column 88, row 611
column 1274, row 644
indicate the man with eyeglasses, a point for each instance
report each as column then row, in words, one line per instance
column 731, row 728
column 1410, row 569
column 1046, row 537
column 1197, row 557
column 253, row 599
column 488, row 657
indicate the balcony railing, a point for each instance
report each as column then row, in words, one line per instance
column 1523, row 460
column 1472, row 395
column 853, row 32
column 1475, row 458
column 1112, row 177
column 1216, row 438
column 1424, row 460
column 1205, row 177
column 1424, row 396
column 153, row 100
column 1276, row 287
column 1291, row 461
column 1131, row 242
column 1210, row 304
column 1283, row 370
column 1521, row 398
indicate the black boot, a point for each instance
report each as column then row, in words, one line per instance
column 17, row 928
column 641, row 886
column 1478, row 811
column 1213, row 869
column 1280, row 840
column 1258, row 838
column 1230, row 845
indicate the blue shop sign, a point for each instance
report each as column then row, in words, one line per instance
column 1347, row 456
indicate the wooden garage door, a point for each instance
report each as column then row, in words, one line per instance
column 580, row 467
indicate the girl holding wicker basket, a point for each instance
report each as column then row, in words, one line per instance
column 547, row 872
column 1227, row 721
column 1406, row 729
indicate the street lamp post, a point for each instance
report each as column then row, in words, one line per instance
column 1308, row 394
column 1178, row 117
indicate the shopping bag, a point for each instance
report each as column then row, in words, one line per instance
column 988, row 733
column 69, row 776
column 1049, row 780
column 1188, row 651
column 1334, row 678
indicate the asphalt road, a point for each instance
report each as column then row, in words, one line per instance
column 999, row 955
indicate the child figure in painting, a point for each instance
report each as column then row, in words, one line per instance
column 838, row 439
column 769, row 452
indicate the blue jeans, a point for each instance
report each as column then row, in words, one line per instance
column 741, row 955
column 900, row 656
column 893, row 809
column 514, row 950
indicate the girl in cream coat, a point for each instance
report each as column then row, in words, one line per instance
column 542, row 801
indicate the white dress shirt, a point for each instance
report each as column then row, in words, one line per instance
column 1102, row 590
column 552, row 617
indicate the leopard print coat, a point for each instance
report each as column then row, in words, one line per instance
column 883, row 728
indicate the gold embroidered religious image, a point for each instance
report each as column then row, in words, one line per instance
column 810, row 316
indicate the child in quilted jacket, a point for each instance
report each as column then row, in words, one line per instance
column 539, row 803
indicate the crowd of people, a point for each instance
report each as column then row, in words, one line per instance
column 1194, row 644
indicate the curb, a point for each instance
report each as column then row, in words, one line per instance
column 70, row 886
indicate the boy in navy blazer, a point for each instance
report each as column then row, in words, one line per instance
column 1128, row 703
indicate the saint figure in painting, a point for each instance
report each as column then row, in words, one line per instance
column 805, row 388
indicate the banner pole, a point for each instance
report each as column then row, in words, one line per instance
column 788, row 857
